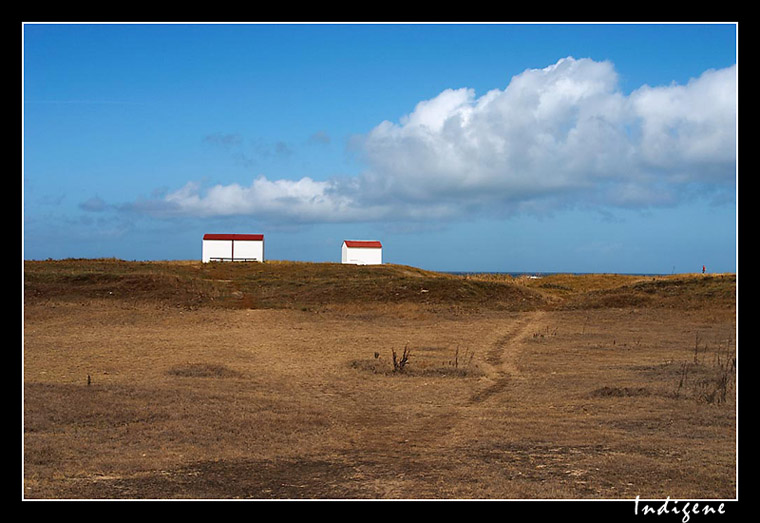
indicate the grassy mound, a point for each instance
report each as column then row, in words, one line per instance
column 264, row 285
column 303, row 285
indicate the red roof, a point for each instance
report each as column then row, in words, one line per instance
column 254, row 237
column 363, row 244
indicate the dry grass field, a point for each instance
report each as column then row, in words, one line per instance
column 285, row 380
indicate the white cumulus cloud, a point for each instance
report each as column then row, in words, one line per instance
column 564, row 134
column 303, row 199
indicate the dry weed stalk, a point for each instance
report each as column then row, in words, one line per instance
column 467, row 357
column 714, row 387
column 719, row 385
column 399, row 364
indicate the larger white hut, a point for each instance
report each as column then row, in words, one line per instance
column 362, row 252
column 233, row 247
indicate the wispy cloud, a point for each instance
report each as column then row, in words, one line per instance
column 223, row 139
column 94, row 204
column 320, row 137
column 561, row 135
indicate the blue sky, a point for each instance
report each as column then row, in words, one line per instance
column 462, row 147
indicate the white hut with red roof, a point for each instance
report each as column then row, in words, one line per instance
column 362, row 252
column 233, row 247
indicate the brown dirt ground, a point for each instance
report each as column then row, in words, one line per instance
column 146, row 401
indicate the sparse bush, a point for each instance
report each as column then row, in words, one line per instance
column 620, row 392
column 466, row 358
column 547, row 333
column 202, row 370
column 399, row 364
column 460, row 365
column 708, row 383
column 715, row 388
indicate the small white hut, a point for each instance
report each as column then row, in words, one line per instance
column 233, row 247
column 362, row 252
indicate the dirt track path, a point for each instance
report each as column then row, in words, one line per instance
column 502, row 375
column 503, row 353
